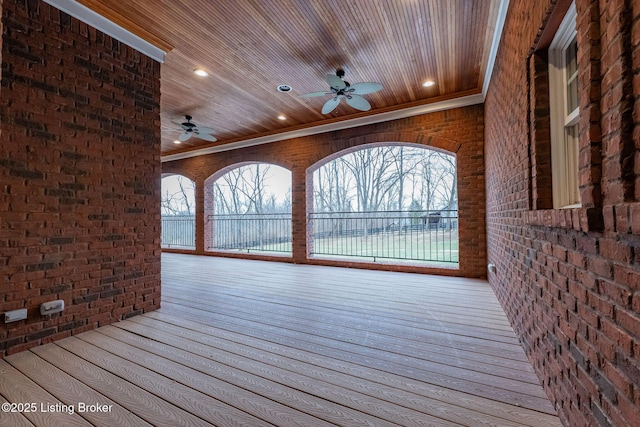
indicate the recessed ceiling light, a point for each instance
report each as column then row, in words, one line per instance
column 201, row 73
column 428, row 83
column 284, row 88
column 176, row 142
column 281, row 117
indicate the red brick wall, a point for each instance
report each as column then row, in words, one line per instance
column 569, row 280
column 79, row 176
column 459, row 131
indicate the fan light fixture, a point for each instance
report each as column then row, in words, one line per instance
column 284, row 88
column 177, row 142
column 190, row 129
column 339, row 89
column 201, row 73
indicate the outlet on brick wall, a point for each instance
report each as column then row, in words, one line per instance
column 79, row 166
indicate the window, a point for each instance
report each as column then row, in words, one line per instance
column 564, row 109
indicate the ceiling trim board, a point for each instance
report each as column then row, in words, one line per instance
column 495, row 44
column 464, row 101
column 108, row 27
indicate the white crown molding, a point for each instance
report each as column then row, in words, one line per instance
column 345, row 124
column 495, row 44
column 108, row 27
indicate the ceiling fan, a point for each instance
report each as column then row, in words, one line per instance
column 190, row 129
column 342, row 89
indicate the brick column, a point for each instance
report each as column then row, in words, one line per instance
column 299, row 215
column 201, row 215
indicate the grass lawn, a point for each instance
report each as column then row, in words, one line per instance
column 428, row 246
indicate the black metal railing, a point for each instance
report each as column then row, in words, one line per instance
column 400, row 235
column 251, row 232
column 178, row 231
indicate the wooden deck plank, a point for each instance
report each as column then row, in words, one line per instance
column 264, row 407
column 502, row 410
column 450, row 323
column 461, row 343
column 17, row 388
column 463, row 346
column 385, row 413
column 12, row 419
column 227, row 351
column 465, row 304
column 373, row 357
column 212, row 361
column 72, row 392
column 459, row 363
column 144, row 404
column 198, row 404
column 240, row 342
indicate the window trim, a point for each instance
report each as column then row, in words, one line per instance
column 564, row 183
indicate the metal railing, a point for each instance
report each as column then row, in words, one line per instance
column 400, row 235
column 178, row 232
column 251, row 232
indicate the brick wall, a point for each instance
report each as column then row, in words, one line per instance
column 459, row 131
column 569, row 279
column 79, row 176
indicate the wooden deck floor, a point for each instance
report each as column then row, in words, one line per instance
column 250, row 343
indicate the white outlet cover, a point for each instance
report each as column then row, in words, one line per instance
column 15, row 315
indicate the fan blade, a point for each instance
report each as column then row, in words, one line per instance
column 365, row 88
column 358, row 102
column 202, row 129
column 335, row 82
column 313, row 94
column 207, row 137
column 330, row 105
column 184, row 136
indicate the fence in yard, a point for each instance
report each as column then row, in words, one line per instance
column 419, row 235
column 179, row 232
column 251, row 232
column 403, row 235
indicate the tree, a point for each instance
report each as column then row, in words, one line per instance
column 178, row 196
column 247, row 190
column 332, row 185
column 375, row 178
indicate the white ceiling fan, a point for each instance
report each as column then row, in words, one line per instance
column 342, row 89
column 190, row 129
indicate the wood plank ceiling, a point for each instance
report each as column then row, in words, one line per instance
column 250, row 47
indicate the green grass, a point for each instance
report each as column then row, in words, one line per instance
column 425, row 246
column 416, row 246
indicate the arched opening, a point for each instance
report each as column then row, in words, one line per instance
column 388, row 202
column 178, row 209
column 250, row 210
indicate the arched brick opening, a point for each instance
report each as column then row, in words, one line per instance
column 208, row 194
column 459, row 131
column 364, row 143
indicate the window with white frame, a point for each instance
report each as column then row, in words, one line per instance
column 564, row 108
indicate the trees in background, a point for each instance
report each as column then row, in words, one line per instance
column 258, row 188
column 385, row 179
column 178, row 196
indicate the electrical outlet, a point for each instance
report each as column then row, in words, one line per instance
column 15, row 315
column 52, row 307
